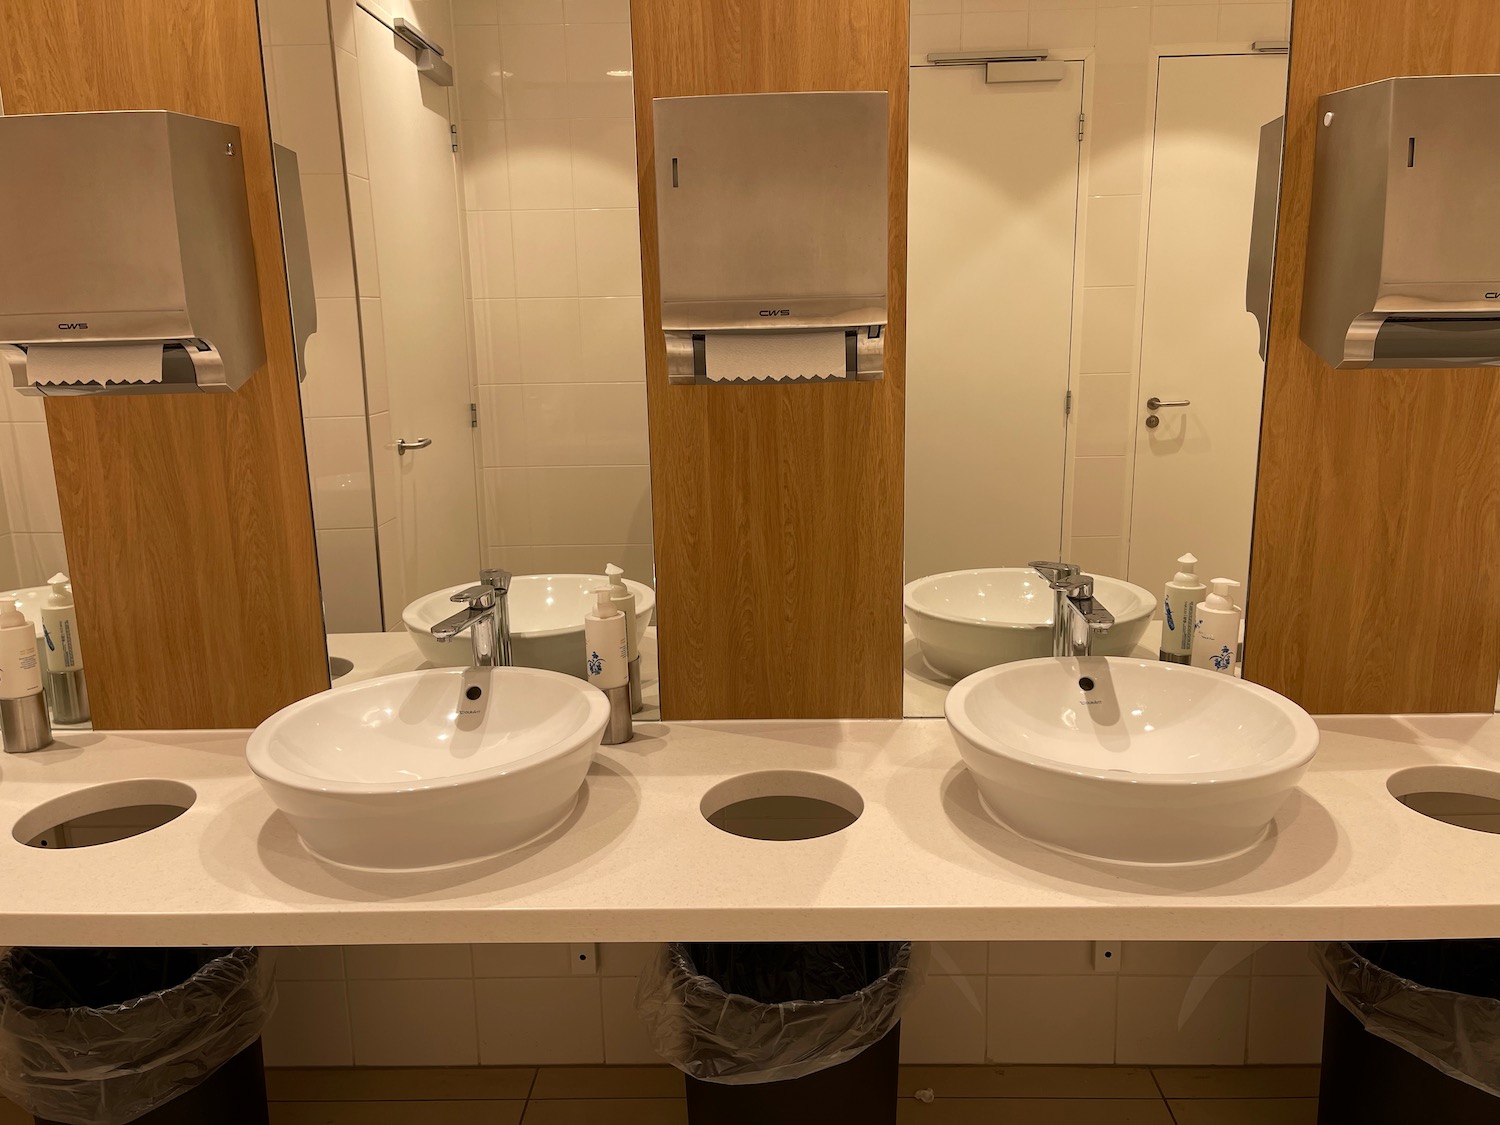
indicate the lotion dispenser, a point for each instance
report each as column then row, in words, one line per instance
column 609, row 664
column 66, row 689
column 23, row 709
column 624, row 601
column 1179, row 609
column 1216, row 636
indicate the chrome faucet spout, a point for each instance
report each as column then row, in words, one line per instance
column 486, row 618
column 1076, row 614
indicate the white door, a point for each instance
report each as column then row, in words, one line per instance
column 419, row 249
column 993, row 214
column 1194, row 486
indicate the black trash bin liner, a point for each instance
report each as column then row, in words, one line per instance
column 1437, row 1000
column 749, row 1013
column 103, row 1036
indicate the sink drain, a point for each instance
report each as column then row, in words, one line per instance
column 782, row 805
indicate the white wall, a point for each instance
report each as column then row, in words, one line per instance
column 1124, row 39
column 342, row 428
column 31, row 540
column 547, row 142
column 1006, row 1002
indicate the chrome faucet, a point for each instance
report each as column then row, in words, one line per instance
column 1076, row 615
column 487, row 618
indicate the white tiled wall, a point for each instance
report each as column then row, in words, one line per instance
column 31, row 541
column 1125, row 38
column 308, row 116
column 1007, row 1002
column 547, row 141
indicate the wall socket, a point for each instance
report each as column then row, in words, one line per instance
column 1106, row 957
column 584, row 959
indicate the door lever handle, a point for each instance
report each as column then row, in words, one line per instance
column 402, row 445
column 1154, row 403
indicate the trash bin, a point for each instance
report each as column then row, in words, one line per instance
column 158, row 1036
column 1411, row 1032
column 777, row 1032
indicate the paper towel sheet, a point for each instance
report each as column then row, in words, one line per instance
column 51, row 364
column 772, row 356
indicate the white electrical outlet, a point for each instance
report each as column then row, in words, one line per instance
column 1106, row 957
column 584, row 959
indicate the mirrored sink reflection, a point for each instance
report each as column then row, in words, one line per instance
column 1130, row 760
column 968, row 620
column 432, row 768
column 546, row 620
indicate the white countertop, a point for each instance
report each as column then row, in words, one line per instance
column 637, row 862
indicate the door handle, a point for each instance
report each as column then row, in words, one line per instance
column 402, row 445
column 1154, row 403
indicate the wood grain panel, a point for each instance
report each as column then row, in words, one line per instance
column 1376, row 559
column 188, row 518
column 777, row 509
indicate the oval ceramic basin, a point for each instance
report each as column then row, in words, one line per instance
column 546, row 621
column 967, row 620
column 1130, row 760
column 431, row 768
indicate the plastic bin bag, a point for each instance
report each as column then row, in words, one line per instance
column 102, row 1036
column 1438, row 1000
column 746, row 1013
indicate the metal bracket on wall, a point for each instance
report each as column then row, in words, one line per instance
column 1020, row 65
column 430, row 60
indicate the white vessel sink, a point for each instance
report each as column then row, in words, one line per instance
column 967, row 620
column 1130, row 760
column 432, row 768
column 546, row 621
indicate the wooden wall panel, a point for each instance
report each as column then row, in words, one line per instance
column 188, row 519
column 778, row 509
column 1375, row 571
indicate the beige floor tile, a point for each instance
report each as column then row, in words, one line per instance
column 1246, row 1111
column 1238, row 1081
column 384, row 1084
column 580, row 1082
column 397, row 1113
column 12, row 1114
column 1031, row 1111
column 1029, row 1081
column 601, row 1111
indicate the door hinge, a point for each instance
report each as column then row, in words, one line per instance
column 473, row 415
column 1082, row 120
column 453, row 136
column 1068, row 404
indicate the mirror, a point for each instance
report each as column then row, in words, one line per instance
column 474, row 391
column 1083, row 379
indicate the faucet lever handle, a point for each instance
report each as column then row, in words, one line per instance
column 1078, row 586
column 477, row 597
column 1055, row 573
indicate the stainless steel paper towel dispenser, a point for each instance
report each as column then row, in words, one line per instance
column 129, row 266
column 773, row 231
column 1403, row 258
column 1260, row 275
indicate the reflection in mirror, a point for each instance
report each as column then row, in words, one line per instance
column 1084, row 378
column 475, row 390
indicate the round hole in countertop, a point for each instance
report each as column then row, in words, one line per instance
column 1463, row 796
column 104, row 814
column 339, row 666
column 782, row 805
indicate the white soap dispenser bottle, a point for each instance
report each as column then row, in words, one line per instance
column 1216, row 636
column 1179, row 610
column 61, row 661
column 23, row 709
column 624, row 601
column 609, row 664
